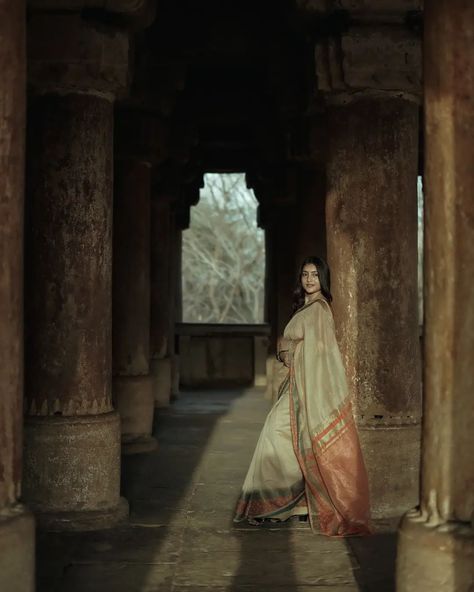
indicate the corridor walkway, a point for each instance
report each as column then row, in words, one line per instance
column 180, row 537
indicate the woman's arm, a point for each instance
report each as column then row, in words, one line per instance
column 284, row 349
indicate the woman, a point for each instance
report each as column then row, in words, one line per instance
column 308, row 459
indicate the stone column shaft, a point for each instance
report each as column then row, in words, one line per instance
column 131, row 305
column 372, row 251
column 305, row 221
column 311, row 233
column 282, row 283
column 448, row 440
column 271, row 313
column 70, row 255
column 436, row 543
column 16, row 524
column 72, row 433
column 161, row 305
column 176, row 299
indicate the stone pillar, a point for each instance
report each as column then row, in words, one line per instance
column 176, row 299
column 372, row 252
column 72, row 433
column 270, row 308
column 436, row 541
column 311, row 233
column 161, row 305
column 279, row 280
column 132, row 384
column 16, row 523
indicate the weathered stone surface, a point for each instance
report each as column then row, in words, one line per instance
column 216, row 360
column 68, row 53
column 436, row 544
column 72, row 470
column 392, row 457
column 12, row 144
column 69, row 256
column 182, row 500
column 310, row 231
column 161, row 274
column 448, row 475
column 361, row 59
column 17, row 536
column 135, row 404
column 241, row 560
column 160, row 370
column 132, row 386
column 117, row 576
column 260, row 349
column 372, row 250
column 175, row 376
column 434, row 557
column 131, row 269
column 17, row 549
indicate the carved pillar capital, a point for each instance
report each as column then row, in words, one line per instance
column 369, row 60
column 67, row 54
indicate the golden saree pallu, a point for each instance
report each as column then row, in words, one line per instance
column 308, row 458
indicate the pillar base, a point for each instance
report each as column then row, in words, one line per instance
column 71, row 471
column 174, row 377
column 139, row 445
column 160, row 370
column 134, row 398
column 82, row 521
column 269, row 385
column 260, row 346
column 437, row 558
column 392, row 458
column 17, row 549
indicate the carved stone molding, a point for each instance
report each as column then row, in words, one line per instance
column 370, row 59
column 69, row 54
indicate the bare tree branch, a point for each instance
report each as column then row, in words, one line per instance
column 224, row 255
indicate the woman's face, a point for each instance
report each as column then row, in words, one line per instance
column 310, row 279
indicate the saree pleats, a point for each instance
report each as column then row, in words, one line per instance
column 308, row 457
column 274, row 486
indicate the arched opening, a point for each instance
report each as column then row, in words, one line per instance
column 223, row 339
column 223, row 260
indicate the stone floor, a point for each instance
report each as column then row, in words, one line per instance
column 180, row 537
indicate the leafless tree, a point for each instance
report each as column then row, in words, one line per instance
column 223, row 255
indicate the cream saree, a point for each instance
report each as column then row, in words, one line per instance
column 308, row 458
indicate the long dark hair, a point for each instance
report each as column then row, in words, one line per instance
column 324, row 280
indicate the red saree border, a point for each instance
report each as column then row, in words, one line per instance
column 338, row 512
column 252, row 506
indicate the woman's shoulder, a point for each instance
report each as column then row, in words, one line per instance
column 316, row 306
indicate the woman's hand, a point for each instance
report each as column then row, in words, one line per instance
column 284, row 357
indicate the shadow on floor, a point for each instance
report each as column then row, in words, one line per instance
column 180, row 500
column 374, row 561
column 180, row 536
